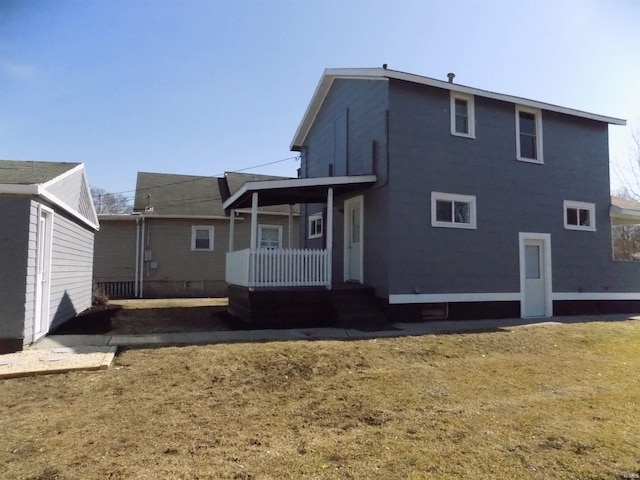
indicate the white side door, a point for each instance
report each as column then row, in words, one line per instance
column 535, row 275
column 353, row 228
column 43, row 272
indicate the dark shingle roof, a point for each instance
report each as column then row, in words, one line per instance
column 177, row 195
column 236, row 180
column 30, row 173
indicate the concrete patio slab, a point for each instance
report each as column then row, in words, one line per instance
column 40, row 361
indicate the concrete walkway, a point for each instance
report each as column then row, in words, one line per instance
column 61, row 353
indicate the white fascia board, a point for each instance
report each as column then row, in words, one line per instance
column 296, row 182
column 399, row 299
column 133, row 216
column 595, row 296
column 331, row 74
column 19, row 189
column 71, row 171
column 56, row 201
column 275, row 214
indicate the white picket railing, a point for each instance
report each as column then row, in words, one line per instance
column 289, row 267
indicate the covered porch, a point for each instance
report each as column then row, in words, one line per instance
column 256, row 267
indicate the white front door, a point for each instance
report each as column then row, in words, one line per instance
column 353, row 220
column 535, row 275
column 43, row 272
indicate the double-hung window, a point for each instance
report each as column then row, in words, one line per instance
column 453, row 210
column 269, row 236
column 315, row 225
column 579, row 215
column 202, row 238
column 462, row 115
column 529, row 134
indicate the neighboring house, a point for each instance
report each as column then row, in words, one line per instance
column 451, row 201
column 47, row 226
column 175, row 242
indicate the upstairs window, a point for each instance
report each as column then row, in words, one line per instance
column 462, row 115
column 579, row 215
column 528, row 134
column 315, row 225
column 202, row 238
column 269, row 236
column 452, row 210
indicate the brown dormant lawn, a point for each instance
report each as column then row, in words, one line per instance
column 545, row 402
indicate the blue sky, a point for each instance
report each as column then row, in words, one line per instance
column 203, row 87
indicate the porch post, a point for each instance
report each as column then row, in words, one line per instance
column 232, row 224
column 329, row 235
column 290, row 224
column 254, row 220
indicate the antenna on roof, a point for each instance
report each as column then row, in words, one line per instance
column 451, row 76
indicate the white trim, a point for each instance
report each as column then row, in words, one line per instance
column 297, row 182
column 347, row 228
column 315, row 217
column 548, row 275
column 63, row 175
column 37, row 189
column 42, row 299
column 133, row 216
column 590, row 207
column 595, row 296
column 454, row 297
column 539, row 144
column 263, row 226
column 453, row 197
column 331, row 74
column 471, row 114
column 210, row 229
column 264, row 212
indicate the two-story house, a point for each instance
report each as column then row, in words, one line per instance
column 452, row 201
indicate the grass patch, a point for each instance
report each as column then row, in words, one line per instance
column 557, row 401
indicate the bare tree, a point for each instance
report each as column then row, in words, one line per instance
column 105, row 202
column 626, row 238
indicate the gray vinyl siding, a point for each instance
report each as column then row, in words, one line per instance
column 115, row 251
column 362, row 104
column 14, row 243
column 71, row 269
column 511, row 197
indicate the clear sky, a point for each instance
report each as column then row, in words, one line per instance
column 202, row 87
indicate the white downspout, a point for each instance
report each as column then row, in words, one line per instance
column 137, row 265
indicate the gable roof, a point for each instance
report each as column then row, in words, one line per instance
column 15, row 172
column 62, row 184
column 167, row 194
column 383, row 74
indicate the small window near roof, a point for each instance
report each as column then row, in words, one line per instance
column 529, row 134
column 202, row 238
column 315, row 225
column 462, row 115
column 453, row 210
column 579, row 215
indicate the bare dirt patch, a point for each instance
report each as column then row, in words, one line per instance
column 131, row 317
column 557, row 401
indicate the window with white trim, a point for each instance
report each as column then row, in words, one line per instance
column 462, row 109
column 316, row 225
column 269, row 236
column 528, row 134
column 202, row 238
column 452, row 210
column 579, row 215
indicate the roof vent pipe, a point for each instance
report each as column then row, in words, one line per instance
column 451, row 76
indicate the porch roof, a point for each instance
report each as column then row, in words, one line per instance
column 624, row 211
column 297, row 190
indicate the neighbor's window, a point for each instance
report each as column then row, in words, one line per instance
column 462, row 115
column 315, row 225
column 579, row 215
column 453, row 210
column 202, row 238
column 269, row 236
column 529, row 134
